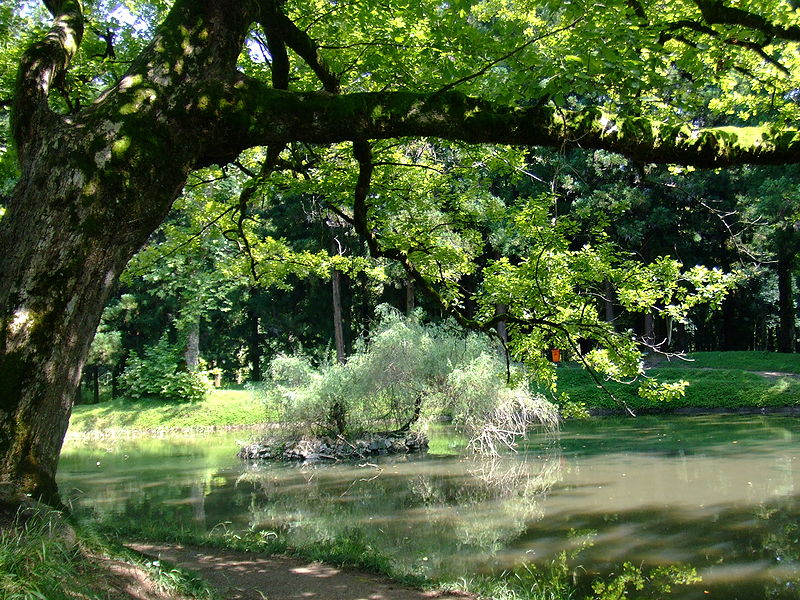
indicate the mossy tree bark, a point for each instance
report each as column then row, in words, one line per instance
column 95, row 184
column 93, row 187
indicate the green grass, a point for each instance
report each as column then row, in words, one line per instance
column 36, row 559
column 221, row 408
column 43, row 558
column 717, row 380
column 744, row 361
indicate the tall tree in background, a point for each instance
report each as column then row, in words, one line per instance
column 102, row 161
column 771, row 202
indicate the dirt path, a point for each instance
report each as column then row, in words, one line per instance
column 245, row 576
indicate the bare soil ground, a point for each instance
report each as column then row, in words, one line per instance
column 246, row 576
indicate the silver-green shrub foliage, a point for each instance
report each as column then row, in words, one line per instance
column 407, row 372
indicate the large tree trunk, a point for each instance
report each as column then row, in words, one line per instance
column 57, row 269
column 92, row 188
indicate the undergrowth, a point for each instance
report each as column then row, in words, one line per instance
column 37, row 557
column 44, row 558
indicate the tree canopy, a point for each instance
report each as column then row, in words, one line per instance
column 372, row 108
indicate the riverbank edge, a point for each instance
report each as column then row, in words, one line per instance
column 163, row 432
column 343, row 552
column 693, row 411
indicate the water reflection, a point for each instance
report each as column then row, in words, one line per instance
column 720, row 494
column 429, row 514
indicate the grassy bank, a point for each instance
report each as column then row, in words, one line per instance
column 562, row 578
column 42, row 556
column 221, row 408
column 717, row 381
column 741, row 361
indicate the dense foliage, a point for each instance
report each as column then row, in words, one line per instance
column 161, row 374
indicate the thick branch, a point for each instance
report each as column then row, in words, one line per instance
column 278, row 25
column 42, row 66
column 280, row 61
column 716, row 13
column 259, row 115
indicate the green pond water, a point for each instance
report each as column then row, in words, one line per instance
column 719, row 493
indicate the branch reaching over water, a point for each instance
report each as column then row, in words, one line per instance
column 260, row 115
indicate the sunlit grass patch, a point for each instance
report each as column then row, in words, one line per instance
column 742, row 360
column 221, row 408
column 709, row 389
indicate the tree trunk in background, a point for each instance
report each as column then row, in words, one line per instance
column 338, row 325
column 254, row 352
column 409, row 296
column 608, row 302
column 786, row 308
column 365, row 307
column 730, row 337
column 502, row 330
column 649, row 329
column 116, row 371
column 191, row 355
column 95, row 384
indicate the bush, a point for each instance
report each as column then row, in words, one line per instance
column 406, row 372
column 161, row 374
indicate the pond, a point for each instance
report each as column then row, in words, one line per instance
column 719, row 493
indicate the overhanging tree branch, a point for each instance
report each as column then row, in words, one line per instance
column 258, row 115
column 517, row 50
column 714, row 12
